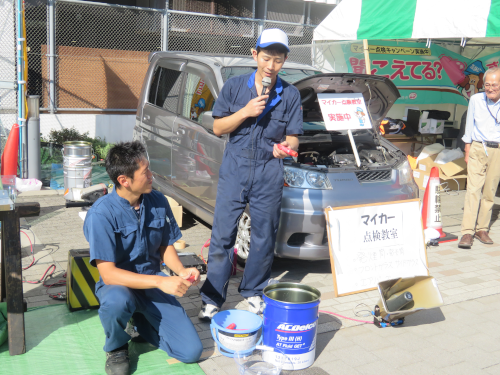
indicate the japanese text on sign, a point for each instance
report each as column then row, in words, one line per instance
column 380, row 227
column 419, row 70
column 370, row 244
column 392, row 50
column 344, row 111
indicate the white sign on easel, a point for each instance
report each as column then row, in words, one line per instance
column 373, row 243
column 345, row 112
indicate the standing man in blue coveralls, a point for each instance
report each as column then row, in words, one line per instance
column 130, row 232
column 251, row 171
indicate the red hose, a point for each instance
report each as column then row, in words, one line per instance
column 345, row 317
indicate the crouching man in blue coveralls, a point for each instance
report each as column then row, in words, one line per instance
column 130, row 232
column 251, row 171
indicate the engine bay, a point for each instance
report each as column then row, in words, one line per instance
column 332, row 149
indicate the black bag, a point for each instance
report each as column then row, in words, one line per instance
column 439, row 115
column 391, row 126
column 395, row 126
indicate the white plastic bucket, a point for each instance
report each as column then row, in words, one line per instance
column 246, row 335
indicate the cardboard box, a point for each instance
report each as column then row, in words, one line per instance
column 437, row 126
column 176, row 210
column 431, row 126
column 424, row 126
column 454, row 173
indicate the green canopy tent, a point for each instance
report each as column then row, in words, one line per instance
column 411, row 19
column 429, row 48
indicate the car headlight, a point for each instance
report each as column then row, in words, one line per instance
column 298, row 178
column 405, row 173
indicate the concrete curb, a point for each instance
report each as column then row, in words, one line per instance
column 43, row 192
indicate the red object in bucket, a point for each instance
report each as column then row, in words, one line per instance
column 231, row 326
column 10, row 153
column 289, row 151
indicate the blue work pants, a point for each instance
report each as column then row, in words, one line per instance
column 257, row 181
column 159, row 318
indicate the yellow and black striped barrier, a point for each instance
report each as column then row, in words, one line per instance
column 80, row 282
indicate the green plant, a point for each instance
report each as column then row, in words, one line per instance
column 67, row 135
column 102, row 151
column 99, row 145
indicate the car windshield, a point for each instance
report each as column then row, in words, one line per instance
column 289, row 75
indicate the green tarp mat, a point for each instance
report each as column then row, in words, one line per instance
column 3, row 322
column 59, row 342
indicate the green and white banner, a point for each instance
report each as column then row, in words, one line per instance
column 415, row 19
column 422, row 75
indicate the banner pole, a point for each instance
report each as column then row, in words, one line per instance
column 354, row 149
column 367, row 56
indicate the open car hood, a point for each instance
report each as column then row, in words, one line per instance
column 383, row 92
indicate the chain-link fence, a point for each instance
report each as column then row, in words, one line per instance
column 299, row 40
column 209, row 33
column 36, row 40
column 102, row 54
column 8, row 78
column 100, row 51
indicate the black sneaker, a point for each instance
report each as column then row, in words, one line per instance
column 207, row 312
column 117, row 362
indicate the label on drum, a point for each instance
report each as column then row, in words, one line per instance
column 297, row 341
column 238, row 341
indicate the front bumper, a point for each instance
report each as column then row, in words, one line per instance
column 302, row 231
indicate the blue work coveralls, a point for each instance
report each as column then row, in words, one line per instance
column 249, row 174
column 116, row 234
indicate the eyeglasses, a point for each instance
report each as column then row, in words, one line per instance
column 487, row 85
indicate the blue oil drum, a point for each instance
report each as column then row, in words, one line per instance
column 291, row 322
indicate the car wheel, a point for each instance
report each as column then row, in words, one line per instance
column 243, row 239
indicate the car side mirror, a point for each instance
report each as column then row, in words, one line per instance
column 207, row 121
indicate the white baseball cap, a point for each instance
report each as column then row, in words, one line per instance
column 272, row 36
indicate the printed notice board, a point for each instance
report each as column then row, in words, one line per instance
column 373, row 243
column 344, row 111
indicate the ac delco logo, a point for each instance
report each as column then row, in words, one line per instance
column 295, row 328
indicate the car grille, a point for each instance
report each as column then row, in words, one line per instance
column 374, row 176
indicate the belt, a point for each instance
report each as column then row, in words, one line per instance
column 492, row 144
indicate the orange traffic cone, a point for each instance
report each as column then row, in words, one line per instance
column 431, row 207
column 10, row 153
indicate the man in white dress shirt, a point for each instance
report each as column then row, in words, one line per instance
column 482, row 155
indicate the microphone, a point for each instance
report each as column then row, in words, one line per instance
column 266, row 81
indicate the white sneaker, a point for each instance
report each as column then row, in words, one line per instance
column 207, row 311
column 255, row 304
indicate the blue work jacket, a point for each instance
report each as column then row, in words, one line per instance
column 282, row 115
column 116, row 234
